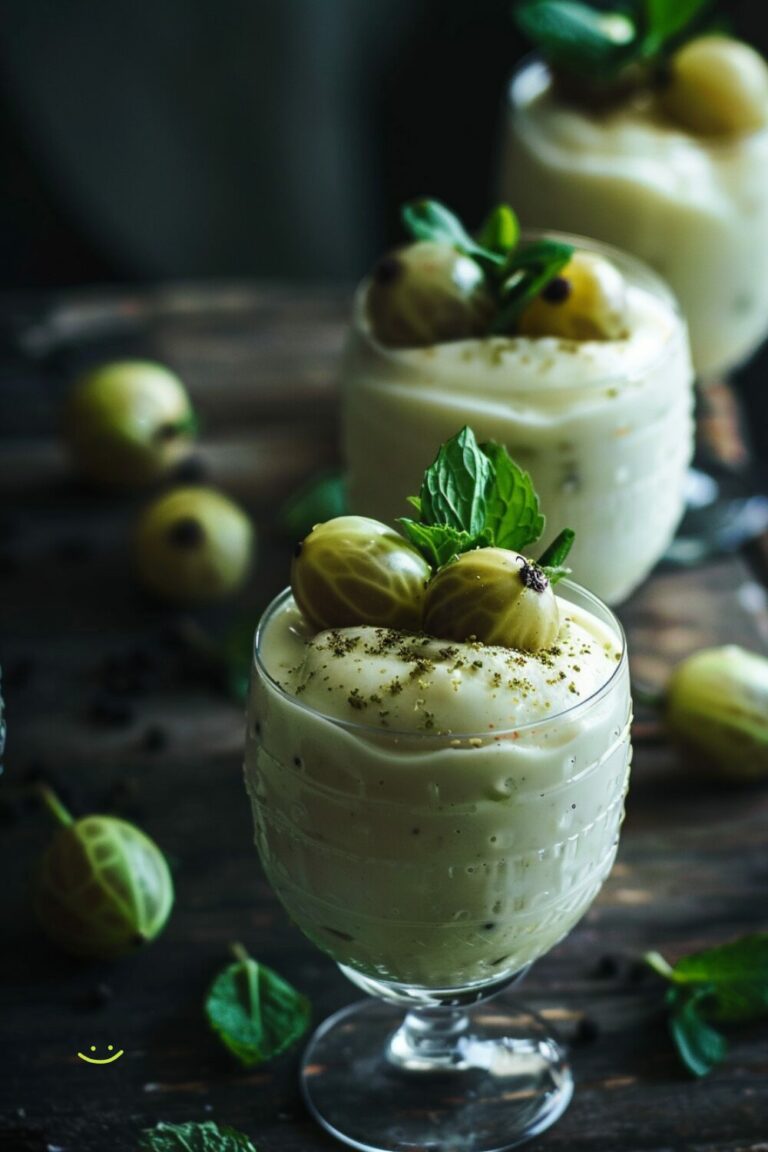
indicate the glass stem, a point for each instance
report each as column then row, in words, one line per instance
column 430, row 1039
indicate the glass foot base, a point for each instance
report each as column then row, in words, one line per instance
column 720, row 516
column 510, row 1082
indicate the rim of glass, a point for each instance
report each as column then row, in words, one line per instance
column 714, row 143
column 636, row 271
column 444, row 737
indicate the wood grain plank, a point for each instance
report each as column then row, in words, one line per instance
column 692, row 867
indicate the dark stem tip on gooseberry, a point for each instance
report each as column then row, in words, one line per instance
column 168, row 431
column 186, row 533
column 387, row 270
column 557, row 291
column 533, row 577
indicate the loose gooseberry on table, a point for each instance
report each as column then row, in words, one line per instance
column 103, row 888
column 193, row 545
column 129, row 422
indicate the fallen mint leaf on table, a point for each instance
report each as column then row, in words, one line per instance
column 700, row 1046
column 725, row 985
column 255, row 1013
column 194, row 1137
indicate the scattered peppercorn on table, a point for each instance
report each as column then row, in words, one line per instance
column 127, row 706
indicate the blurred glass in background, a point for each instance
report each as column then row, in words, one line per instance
column 250, row 138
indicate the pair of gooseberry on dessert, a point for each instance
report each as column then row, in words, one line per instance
column 458, row 573
column 448, row 285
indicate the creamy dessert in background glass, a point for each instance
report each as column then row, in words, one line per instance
column 435, row 814
column 693, row 206
column 655, row 137
column 604, row 426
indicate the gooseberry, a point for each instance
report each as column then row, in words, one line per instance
column 587, row 301
column 103, row 888
column 716, row 706
column 193, row 544
column 717, row 86
column 493, row 595
column 353, row 570
column 427, row 293
column 128, row 423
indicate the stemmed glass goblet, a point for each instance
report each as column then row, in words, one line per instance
column 434, row 868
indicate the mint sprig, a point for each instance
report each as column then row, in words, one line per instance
column 320, row 498
column 194, row 1137
column 475, row 496
column 597, row 46
column 255, row 1013
column 515, row 274
column 722, row 985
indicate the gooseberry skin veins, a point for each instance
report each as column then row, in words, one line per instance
column 488, row 595
column 104, row 888
column 354, row 570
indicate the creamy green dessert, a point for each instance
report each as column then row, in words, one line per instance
column 437, row 810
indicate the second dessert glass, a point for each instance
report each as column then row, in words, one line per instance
column 603, row 426
column 434, row 869
column 695, row 208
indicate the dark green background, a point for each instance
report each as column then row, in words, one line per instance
column 193, row 138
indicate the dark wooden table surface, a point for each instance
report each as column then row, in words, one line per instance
column 106, row 701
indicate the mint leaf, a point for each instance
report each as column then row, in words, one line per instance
column 664, row 20
column 237, row 655
column 513, row 276
column 321, row 498
column 256, row 1013
column 500, row 230
column 431, row 220
column 597, row 44
column 437, row 544
column 530, row 270
column 194, row 1137
column 700, row 1046
column 453, row 491
column 576, row 37
column 737, row 974
column 512, row 516
column 474, row 496
column 726, row 984
column 551, row 559
column 558, row 549
column 740, row 961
